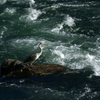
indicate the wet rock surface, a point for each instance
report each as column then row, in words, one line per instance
column 18, row 69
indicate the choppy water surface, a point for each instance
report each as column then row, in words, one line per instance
column 71, row 30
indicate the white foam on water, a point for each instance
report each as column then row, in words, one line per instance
column 10, row 11
column 95, row 63
column 68, row 56
column 22, row 81
column 2, row 2
column 3, row 31
column 29, row 44
column 32, row 15
column 13, row 85
column 74, row 58
column 32, row 2
column 59, row 53
column 86, row 93
column 83, row 94
column 1, row 35
column 68, row 21
column 68, row 5
column 77, row 5
column 58, row 28
column 22, row 1
column 30, row 41
column 95, row 59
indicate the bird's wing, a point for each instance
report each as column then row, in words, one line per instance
column 31, row 58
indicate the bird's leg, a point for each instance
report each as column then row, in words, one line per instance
column 32, row 62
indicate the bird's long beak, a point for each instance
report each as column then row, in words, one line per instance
column 44, row 44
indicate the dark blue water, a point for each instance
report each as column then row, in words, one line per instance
column 71, row 30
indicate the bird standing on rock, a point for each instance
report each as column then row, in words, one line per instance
column 35, row 56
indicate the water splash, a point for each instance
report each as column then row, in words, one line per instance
column 4, row 29
column 2, row 2
column 10, row 11
column 31, row 2
column 68, row 21
column 96, row 66
column 32, row 15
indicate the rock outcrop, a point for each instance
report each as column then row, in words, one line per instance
column 18, row 69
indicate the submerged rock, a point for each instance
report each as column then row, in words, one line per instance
column 18, row 69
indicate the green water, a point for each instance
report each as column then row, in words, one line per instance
column 71, row 30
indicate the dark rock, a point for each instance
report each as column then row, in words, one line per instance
column 15, row 68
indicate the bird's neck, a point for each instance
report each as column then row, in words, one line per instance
column 40, row 49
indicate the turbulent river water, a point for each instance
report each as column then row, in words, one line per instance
column 71, row 28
